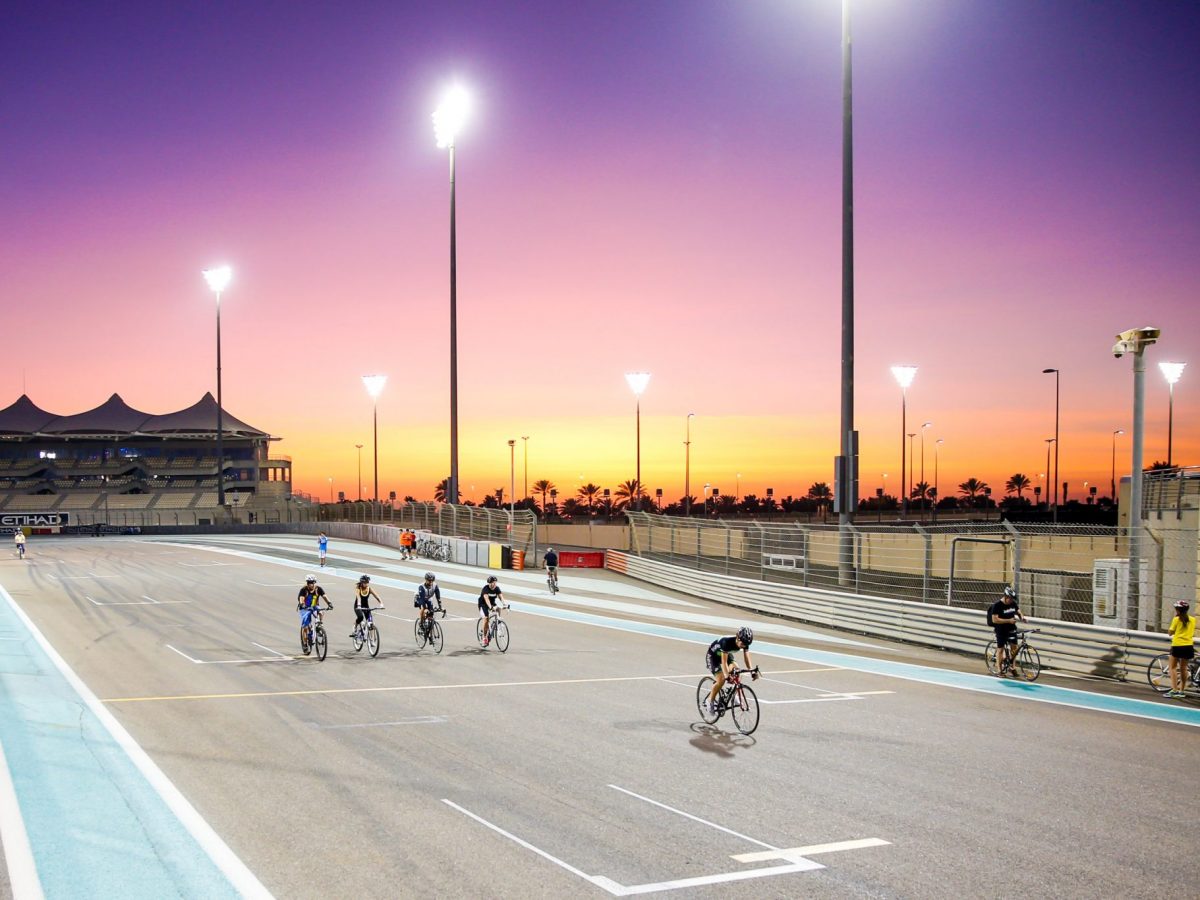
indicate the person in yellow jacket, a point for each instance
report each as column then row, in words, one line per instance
column 1183, row 636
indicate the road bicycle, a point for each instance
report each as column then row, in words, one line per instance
column 315, row 637
column 21, row 550
column 734, row 697
column 497, row 629
column 365, row 632
column 435, row 550
column 1024, row 662
column 552, row 580
column 1158, row 673
column 428, row 631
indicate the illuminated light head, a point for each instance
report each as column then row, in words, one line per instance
column 904, row 375
column 451, row 114
column 218, row 279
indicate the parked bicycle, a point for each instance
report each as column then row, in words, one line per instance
column 1158, row 673
column 365, row 632
column 497, row 629
column 1024, row 662
column 736, row 698
column 428, row 631
column 315, row 638
column 435, row 550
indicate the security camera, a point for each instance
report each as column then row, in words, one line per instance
column 1135, row 340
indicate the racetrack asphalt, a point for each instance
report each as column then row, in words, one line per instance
column 575, row 764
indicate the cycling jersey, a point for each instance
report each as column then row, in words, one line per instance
column 551, row 560
column 487, row 596
column 310, row 599
column 426, row 595
column 714, row 658
column 1182, row 635
column 362, row 598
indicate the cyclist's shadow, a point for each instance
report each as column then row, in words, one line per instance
column 711, row 739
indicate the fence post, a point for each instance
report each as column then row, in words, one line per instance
column 856, row 536
column 804, row 548
column 1016, row 541
column 928, row 561
column 762, row 550
column 728, row 543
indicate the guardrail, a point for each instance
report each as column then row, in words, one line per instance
column 1083, row 649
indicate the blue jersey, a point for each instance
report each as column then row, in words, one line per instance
column 322, row 543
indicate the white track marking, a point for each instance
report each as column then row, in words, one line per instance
column 229, row 662
column 622, row 890
column 181, row 653
column 412, row 720
column 22, row 871
column 270, row 650
column 207, row 565
column 148, row 601
column 264, row 584
column 239, row 875
column 814, row 849
column 680, row 812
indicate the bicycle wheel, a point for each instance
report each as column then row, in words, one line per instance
column 1158, row 673
column 1028, row 664
column 989, row 657
column 321, row 642
column 703, row 689
column 435, row 636
column 373, row 640
column 358, row 638
column 744, row 706
column 479, row 630
column 500, row 636
column 419, row 633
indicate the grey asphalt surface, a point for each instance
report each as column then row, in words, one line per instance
column 338, row 777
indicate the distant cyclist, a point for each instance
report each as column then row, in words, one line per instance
column 19, row 540
column 550, row 560
column 308, row 601
column 489, row 598
column 1002, row 616
column 322, row 547
column 426, row 594
column 363, row 592
column 720, row 661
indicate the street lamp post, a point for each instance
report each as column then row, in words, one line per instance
column 330, row 488
column 1171, row 371
column 448, row 120
column 936, row 445
column 687, row 466
column 904, row 377
column 512, row 485
column 924, row 425
column 1049, row 441
column 359, row 447
column 911, row 435
column 374, row 385
column 218, row 279
column 737, row 491
column 525, row 454
column 1057, row 375
column 707, row 485
column 637, row 384
column 1112, row 491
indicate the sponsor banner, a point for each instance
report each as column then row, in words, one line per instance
column 34, row 520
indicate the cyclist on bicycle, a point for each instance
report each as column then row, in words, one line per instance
column 551, row 562
column 308, row 601
column 1002, row 616
column 19, row 540
column 488, row 598
column 719, row 660
column 1183, row 634
column 426, row 594
column 363, row 592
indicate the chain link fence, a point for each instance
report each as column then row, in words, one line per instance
column 1069, row 573
column 477, row 523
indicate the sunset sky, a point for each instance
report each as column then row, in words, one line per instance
column 642, row 186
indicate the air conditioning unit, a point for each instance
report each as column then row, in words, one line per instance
column 1110, row 592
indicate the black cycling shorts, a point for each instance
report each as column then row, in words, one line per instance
column 1185, row 652
column 713, row 661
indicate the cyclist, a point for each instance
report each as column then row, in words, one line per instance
column 19, row 540
column 1002, row 616
column 1183, row 634
column 308, row 601
column 719, row 660
column 426, row 594
column 551, row 562
column 489, row 597
column 363, row 592
column 322, row 546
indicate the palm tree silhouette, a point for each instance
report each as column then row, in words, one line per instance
column 626, row 493
column 439, row 492
column 972, row 487
column 1017, row 484
column 589, row 492
column 543, row 487
column 921, row 490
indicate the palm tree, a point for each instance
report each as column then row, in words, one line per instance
column 626, row 493
column 921, row 491
column 589, row 492
column 543, row 487
column 439, row 492
column 822, row 494
column 971, row 488
column 1017, row 484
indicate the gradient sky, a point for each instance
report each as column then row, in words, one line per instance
column 643, row 186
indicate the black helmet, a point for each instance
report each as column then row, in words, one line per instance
column 364, row 579
column 491, row 579
column 429, row 576
column 746, row 636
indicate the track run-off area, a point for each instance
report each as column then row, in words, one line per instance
column 162, row 735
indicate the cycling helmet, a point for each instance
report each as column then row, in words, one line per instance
column 365, row 579
column 1182, row 604
column 549, row 549
column 491, row 579
column 311, row 579
column 429, row 576
column 1009, row 591
column 746, row 636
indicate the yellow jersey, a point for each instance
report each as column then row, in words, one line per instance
column 1182, row 635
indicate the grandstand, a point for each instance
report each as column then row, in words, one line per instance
column 116, row 459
